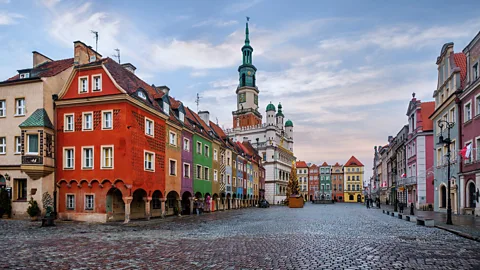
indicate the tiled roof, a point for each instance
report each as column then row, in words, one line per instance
column 48, row 69
column 325, row 164
column 427, row 109
column 461, row 62
column 39, row 118
column 336, row 164
column 352, row 162
column 301, row 164
column 313, row 166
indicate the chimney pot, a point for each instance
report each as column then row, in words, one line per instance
column 205, row 116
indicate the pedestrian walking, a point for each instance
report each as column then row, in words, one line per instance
column 196, row 206
column 368, row 203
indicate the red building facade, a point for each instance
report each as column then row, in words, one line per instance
column 111, row 145
column 313, row 181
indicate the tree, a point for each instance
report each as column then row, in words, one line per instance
column 47, row 200
column 33, row 210
column 293, row 188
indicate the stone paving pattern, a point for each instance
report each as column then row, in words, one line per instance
column 339, row 236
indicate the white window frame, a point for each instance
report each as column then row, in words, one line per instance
column 477, row 148
column 104, row 127
column 452, row 115
column 170, row 169
column 470, row 160
column 102, row 162
column 215, row 175
column 186, row 167
column 28, row 144
column 186, row 144
column 166, row 107
column 477, row 105
column 80, row 84
column 215, row 154
column 70, row 207
column 21, row 107
column 465, row 119
column 3, row 108
column 145, row 168
column 65, row 158
column 17, row 140
column 199, row 176
column 93, row 202
column 65, row 122
column 201, row 148
column 94, row 89
column 181, row 116
column 170, row 133
column 152, row 131
column 206, row 150
column 84, row 167
column 84, row 122
column 206, row 173
column 3, row 145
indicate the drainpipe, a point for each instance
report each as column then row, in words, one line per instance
column 55, row 98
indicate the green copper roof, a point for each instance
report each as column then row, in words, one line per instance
column 289, row 123
column 39, row 118
column 270, row 107
column 279, row 113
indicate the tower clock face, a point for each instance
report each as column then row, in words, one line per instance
column 249, row 73
column 242, row 98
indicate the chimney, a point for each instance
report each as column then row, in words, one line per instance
column 84, row 54
column 205, row 116
column 390, row 138
column 129, row 67
column 164, row 89
column 39, row 59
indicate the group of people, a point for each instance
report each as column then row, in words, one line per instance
column 370, row 202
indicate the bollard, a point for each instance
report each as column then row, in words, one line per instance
column 411, row 209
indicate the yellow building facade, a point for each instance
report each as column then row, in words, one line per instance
column 353, row 180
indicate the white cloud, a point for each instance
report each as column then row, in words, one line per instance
column 199, row 73
column 50, row 3
column 216, row 23
column 7, row 18
column 241, row 6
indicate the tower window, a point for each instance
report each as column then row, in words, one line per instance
column 243, row 80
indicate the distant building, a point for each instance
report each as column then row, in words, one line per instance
column 353, row 180
column 302, row 176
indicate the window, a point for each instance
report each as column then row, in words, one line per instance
column 24, row 75
column 328, row 187
column 83, row 85
column 21, row 189
column 453, row 151
column 348, row 178
column 70, row 201
column 467, row 112
column 32, row 146
column 323, row 187
column 172, row 167
column 68, row 158
column 68, row 126
column 3, row 108
column 173, row 138
column 181, row 116
column 19, row 106
column 206, row 173
column 87, row 159
column 107, row 120
column 348, row 188
column 18, row 144
column 107, row 157
column 358, row 178
column 234, row 179
column 149, row 157
column 199, row 172
column 358, row 187
column 470, row 158
column 87, row 121
column 199, row 148
column 475, row 71
column 88, row 202
column 148, row 126
column 452, row 115
column 477, row 145
column 166, row 107
column 186, row 145
column 477, row 108
column 141, row 95
column 215, row 157
column 186, row 170
column 207, row 151
column 340, row 187
column 97, row 83
column 215, row 175
column 3, row 145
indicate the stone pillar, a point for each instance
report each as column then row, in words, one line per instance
column 179, row 206
column 162, row 204
column 191, row 206
column 127, row 201
column 148, row 212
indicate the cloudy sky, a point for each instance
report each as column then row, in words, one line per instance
column 344, row 71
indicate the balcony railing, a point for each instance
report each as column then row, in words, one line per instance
column 32, row 160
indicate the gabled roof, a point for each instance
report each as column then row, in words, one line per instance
column 337, row 165
column 325, row 164
column 461, row 62
column 47, row 69
column 313, row 166
column 301, row 164
column 39, row 118
column 353, row 162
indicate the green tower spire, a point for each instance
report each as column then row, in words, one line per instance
column 247, row 69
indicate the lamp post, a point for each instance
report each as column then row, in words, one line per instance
column 447, row 141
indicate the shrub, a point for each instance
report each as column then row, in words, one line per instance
column 33, row 210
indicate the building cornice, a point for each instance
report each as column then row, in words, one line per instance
column 443, row 106
column 20, row 81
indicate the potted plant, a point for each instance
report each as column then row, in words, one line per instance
column 33, row 210
column 5, row 204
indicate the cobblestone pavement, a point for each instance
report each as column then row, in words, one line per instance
column 340, row 236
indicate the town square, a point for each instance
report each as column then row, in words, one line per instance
column 254, row 134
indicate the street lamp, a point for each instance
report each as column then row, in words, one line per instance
column 447, row 141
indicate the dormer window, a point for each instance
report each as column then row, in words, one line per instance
column 97, row 83
column 141, row 95
column 181, row 116
column 24, row 75
column 83, row 84
column 475, row 71
column 166, row 107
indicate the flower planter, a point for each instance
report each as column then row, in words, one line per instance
column 295, row 202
